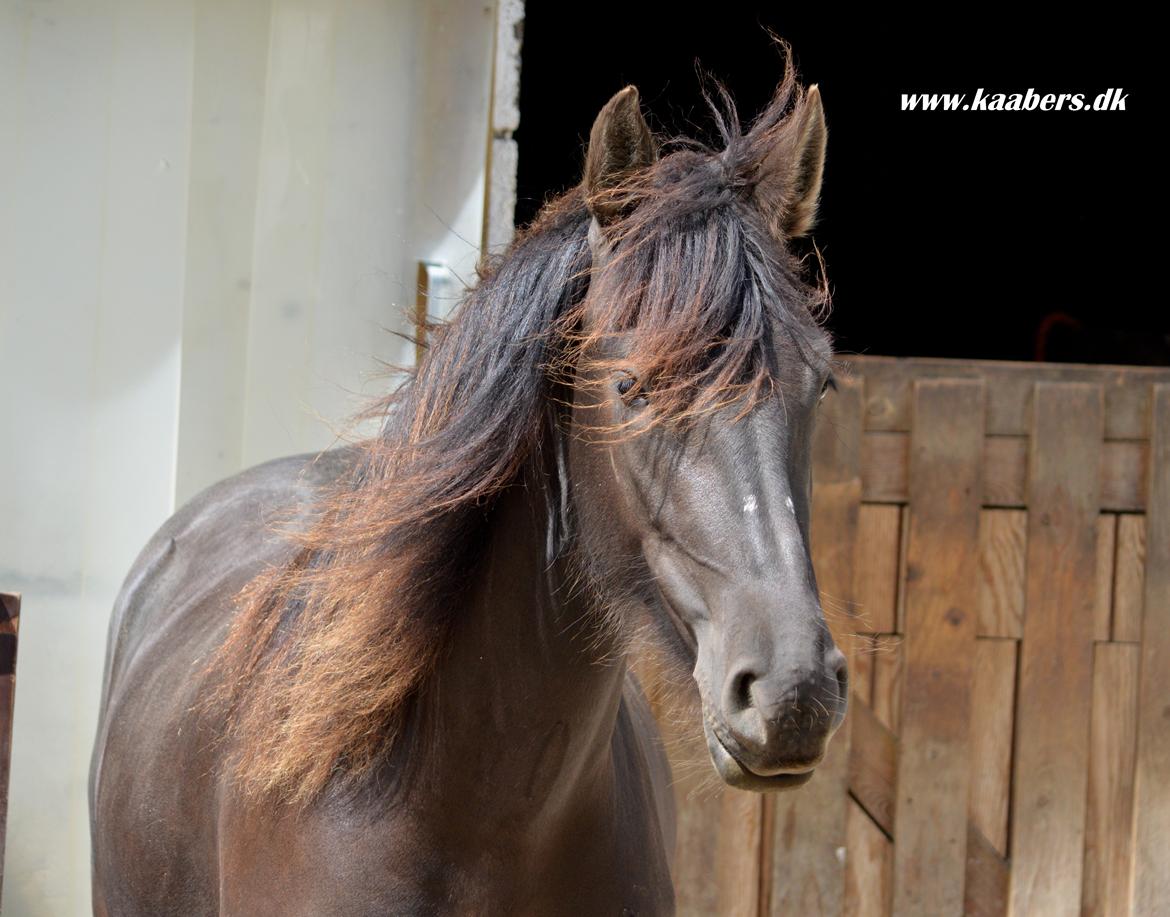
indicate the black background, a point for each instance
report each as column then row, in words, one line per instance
column 957, row 234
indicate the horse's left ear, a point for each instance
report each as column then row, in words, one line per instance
column 619, row 145
column 789, row 184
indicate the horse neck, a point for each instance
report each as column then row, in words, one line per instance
column 531, row 687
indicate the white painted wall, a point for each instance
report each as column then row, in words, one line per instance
column 210, row 213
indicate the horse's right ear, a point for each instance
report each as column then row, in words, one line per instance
column 619, row 145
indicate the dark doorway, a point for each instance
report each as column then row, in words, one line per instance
column 996, row 235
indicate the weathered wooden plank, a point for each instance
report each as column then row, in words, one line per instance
column 1009, row 385
column 9, row 631
column 717, row 855
column 1052, row 725
column 875, row 579
column 869, row 861
column 1002, row 538
column 873, row 766
column 1108, row 878
column 942, row 581
column 807, row 870
column 993, row 693
column 738, row 853
column 885, row 471
column 1129, row 578
column 1124, row 467
column 861, row 671
column 1005, row 470
column 885, row 466
column 904, row 524
column 1151, row 788
column 1106, row 550
column 887, row 680
column 987, row 881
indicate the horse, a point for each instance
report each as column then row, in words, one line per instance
column 395, row 677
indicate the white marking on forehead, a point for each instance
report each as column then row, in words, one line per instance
column 749, row 505
column 788, row 503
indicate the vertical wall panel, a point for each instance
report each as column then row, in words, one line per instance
column 1108, row 879
column 1152, row 789
column 158, row 262
column 1002, row 535
column 93, row 197
column 875, row 579
column 993, row 691
column 1106, row 553
column 942, row 579
column 1052, row 725
column 230, row 68
column 868, row 868
column 1129, row 578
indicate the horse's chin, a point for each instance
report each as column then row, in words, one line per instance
column 739, row 776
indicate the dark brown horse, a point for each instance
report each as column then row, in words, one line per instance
column 392, row 679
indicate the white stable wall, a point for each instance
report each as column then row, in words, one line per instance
column 211, row 211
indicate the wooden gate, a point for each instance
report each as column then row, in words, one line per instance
column 992, row 543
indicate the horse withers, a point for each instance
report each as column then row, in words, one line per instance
column 392, row 678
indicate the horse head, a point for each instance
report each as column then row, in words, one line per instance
column 698, row 365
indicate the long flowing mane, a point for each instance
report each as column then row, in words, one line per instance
column 327, row 652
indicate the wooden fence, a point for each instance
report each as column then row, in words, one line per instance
column 992, row 543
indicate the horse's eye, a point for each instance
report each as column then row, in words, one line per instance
column 624, row 386
column 830, row 383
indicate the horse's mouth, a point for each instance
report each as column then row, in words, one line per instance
column 740, row 776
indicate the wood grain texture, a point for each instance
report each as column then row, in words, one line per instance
column 988, row 878
column 942, row 580
column 1151, row 788
column 873, row 767
column 861, row 671
column 1052, row 725
column 993, row 692
column 1002, row 538
column 717, row 855
column 1009, row 387
column 1108, row 877
column 885, row 471
column 868, row 865
column 1129, row 574
column 1005, row 470
column 887, row 680
column 1106, row 551
column 1049, row 535
column 806, row 849
column 875, row 579
column 904, row 537
column 9, row 632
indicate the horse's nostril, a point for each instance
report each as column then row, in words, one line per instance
column 741, row 690
column 837, row 664
column 842, row 683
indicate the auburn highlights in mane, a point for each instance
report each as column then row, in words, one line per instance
column 328, row 652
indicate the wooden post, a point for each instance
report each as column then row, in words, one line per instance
column 9, row 627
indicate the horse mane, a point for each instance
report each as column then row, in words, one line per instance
column 327, row 653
